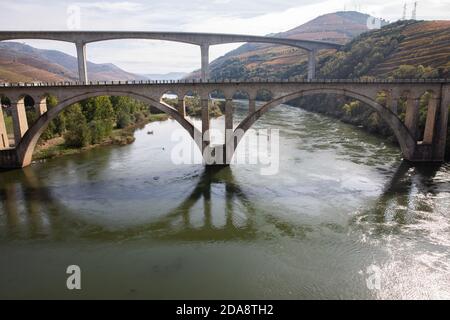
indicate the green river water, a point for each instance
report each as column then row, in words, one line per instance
column 342, row 208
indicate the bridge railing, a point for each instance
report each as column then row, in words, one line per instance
column 213, row 81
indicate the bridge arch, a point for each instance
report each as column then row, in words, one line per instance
column 405, row 139
column 28, row 143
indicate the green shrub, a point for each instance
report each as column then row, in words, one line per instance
column 123, row 120
column 81, row 137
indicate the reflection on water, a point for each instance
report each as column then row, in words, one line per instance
column 342, row 202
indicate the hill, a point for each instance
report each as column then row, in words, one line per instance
column 274, row 61
column 22, row 63
column 376, row 53
column 401, row 50
column 404, row 49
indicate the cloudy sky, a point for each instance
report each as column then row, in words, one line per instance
column 223, row 16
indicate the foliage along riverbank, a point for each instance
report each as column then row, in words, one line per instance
column 194, row 109
column 91, row 123
column 57, row 147
column 104, row 121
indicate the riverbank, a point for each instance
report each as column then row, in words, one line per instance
column 56, row 147
column 359, row 115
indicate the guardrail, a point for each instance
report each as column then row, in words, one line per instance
column 215, row 81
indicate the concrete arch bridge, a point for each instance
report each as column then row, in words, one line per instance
column 203, row 40
column 430, row 148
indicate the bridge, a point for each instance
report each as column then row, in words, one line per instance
column 203, row 40
column 430, row 148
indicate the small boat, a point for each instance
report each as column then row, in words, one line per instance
column 150, row 132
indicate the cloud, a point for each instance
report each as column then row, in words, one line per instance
column 221, row 16
column 111, row 6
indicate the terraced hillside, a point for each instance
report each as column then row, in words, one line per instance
column 425, row 43
column 375, row 53
column 404, row 49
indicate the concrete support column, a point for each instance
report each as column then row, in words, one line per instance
column 81, row 56
column 442, row 124
column 393, row 106
column 204, row 48
column 251, row 105
column 181, row 107
column 412, row 116
column 229, row 143
column 19, row 117
column 205, row 123
column 229, row 114
column 4, row 141
column 41, row 106
column 389, row 101
column 430, row 122
column 312, row 64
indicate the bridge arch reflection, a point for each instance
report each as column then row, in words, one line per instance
column 29, row 209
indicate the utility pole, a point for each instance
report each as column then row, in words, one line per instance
column 414, row 12
column 404, row 12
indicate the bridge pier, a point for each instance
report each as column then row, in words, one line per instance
column 41, row 106
column 181, row 107
column 4, row 140
column 9, row 159
column 19, row 117
column 430, row 122
column 312, row 64
column 229, row 145
column 204, row 50
column 412, row 115
column 394, row 105
column 81, row 57
column 442, row 123
column 205, row 123
column 251, row 105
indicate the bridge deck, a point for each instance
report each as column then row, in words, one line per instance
column 199, row 81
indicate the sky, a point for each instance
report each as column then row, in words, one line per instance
column 222, row 16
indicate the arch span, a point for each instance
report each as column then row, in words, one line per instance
column 405, row 139
column 28, row 143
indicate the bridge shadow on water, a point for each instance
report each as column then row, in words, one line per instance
column 407, row 199
column 29, row 210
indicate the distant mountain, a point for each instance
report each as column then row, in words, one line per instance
column 166, row 76
column 265, row 60
column 22, row 63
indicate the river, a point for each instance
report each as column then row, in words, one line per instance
column 344, row 218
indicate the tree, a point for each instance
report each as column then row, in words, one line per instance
column 78, row 134
column 123, row 120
